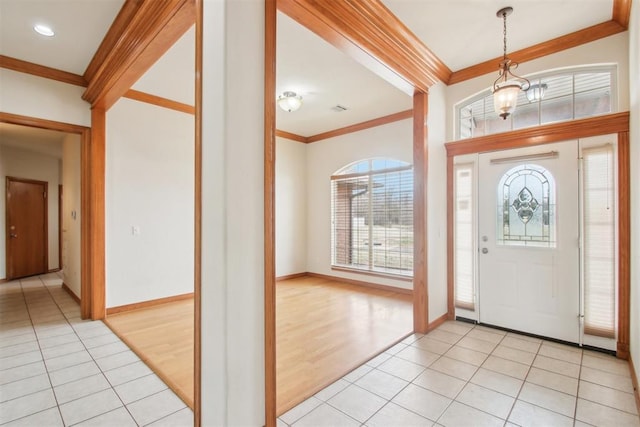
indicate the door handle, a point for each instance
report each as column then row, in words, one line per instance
column 13, row 236
column 485, row 250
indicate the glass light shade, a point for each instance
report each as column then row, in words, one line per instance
column 289, row 101
column 505, row 99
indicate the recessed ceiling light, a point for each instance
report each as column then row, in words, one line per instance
column 44, row 30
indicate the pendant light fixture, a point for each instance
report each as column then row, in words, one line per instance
column 507, row 86
column 289, row 101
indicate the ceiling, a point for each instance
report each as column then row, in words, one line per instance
column 42, row 141
column 460, row 32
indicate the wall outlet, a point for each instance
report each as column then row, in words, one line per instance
column 135, row 230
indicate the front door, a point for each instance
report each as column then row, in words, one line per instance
column 528, row 239
column 26, row 227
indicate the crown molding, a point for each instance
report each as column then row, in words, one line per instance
column 143, row 38
column 41, row 71
column 369, row 33
column 539, row 50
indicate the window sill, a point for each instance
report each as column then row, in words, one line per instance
column 373, row 273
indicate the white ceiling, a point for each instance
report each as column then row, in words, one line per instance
column 80, row 26
column 460, row 32
column 178, row 66
column 325, row 77
column 32, row 139
column 466, row 32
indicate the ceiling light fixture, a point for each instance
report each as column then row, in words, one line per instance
column 289, row 101
column 507, row 86
column 536, row 92
column 44, row 30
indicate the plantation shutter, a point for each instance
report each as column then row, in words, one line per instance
column 599, row 242
column 464, row 260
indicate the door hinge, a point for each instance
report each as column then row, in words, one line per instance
column 44, row 194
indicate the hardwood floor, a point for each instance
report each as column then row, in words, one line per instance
column 162, row 336
column 324, row 329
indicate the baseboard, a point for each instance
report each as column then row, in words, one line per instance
column 439, row 321
column 291, row 276
column 53, row 270
column 145, row 304
column 361, row 283
column 70, row 292
column 4, row 281
column 634, row 383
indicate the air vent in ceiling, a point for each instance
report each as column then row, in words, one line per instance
column 339, row 108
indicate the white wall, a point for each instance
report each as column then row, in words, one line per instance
column 149, row 185
column 233, row 214
column 437, row 203
column 34, row 96
column 634, row 102
column 19, row 163
column 613, row 49
column 326, row 157
column 291, row 207
column 71, row 215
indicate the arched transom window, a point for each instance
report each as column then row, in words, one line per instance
column 554, row 96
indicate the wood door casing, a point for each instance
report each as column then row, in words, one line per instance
column 26, row 221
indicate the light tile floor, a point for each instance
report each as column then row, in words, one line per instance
column 466, row 375
column 59, row 370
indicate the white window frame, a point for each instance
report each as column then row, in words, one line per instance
column 486, row 93
column 370, row 268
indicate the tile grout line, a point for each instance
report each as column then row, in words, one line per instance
column 42, row 355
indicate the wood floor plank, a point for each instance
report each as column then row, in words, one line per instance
column 162, row 336
column 324, row 330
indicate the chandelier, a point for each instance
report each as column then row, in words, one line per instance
column 508, row 85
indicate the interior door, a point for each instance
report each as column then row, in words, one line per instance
column 528, row 239
column 26, row 227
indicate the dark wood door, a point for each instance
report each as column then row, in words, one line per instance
column 26, row 227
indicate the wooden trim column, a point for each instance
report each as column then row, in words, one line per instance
column 96, row 208
column 85, row 230
column 270, row 17
column 420, row 160
column 624, row 245
column 197, row 269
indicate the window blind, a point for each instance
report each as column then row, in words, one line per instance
column 372, row 220
column 464, row 261
column 599, row 255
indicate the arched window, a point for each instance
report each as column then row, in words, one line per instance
column 526, row 208
column 554, row 96
column 372, row 217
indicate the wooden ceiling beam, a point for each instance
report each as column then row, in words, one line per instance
column 118, row 26
column 154, row 27
column 539, row 50
column 369, row 33
column 41, row 71
column 621, row 12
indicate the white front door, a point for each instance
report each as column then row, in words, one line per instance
column 528, row 239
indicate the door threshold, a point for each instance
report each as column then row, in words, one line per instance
column 527, row 334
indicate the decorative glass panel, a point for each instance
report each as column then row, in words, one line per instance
column 526, row 207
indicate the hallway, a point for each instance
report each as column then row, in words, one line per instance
column 59, row 370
